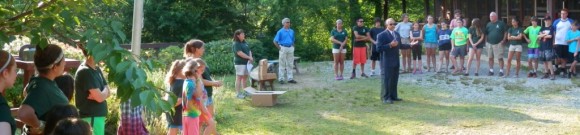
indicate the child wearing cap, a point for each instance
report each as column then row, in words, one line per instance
column 547, row 48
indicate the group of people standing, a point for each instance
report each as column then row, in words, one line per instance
column 556, row 41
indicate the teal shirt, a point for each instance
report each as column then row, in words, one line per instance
column 515, row 32
column 340, row 36
column 43, row 94
column 459, row 36
column 571, row 35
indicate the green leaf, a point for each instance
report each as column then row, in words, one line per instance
column 123, row 65
column 47, row 23
column 146, row 96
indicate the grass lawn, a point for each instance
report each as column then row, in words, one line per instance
column 320, row 105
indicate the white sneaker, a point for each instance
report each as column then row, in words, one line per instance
column 372, row 73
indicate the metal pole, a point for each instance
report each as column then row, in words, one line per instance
column 137, row 26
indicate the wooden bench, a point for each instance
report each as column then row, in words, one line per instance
column 261, row 75
column 263, row 98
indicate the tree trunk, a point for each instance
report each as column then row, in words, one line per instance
column 386, row 9
column 404, row 6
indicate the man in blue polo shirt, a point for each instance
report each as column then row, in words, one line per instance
column 284, row 41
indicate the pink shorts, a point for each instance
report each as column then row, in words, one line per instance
column 190, row 125
column 359, row 55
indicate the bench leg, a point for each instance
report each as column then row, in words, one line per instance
column 271, row 85
column 296, row 67
column 262, row 85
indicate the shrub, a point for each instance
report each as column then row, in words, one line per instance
column 219, row 55
column 14, row 95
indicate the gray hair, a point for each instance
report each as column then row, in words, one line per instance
column 389, row 21
column 492, row 14
column 339, row 21
column 285, row 20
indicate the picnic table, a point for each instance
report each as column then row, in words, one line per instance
column 274, row 63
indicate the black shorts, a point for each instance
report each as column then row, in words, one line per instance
column 574, row 58
column 375, row 54
column 562, row 51
column 445, row 47
column 405, row 46
column 174, row 119
column 417, row 51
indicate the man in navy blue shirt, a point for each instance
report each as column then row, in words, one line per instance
column 388, row 44
column 284, row 41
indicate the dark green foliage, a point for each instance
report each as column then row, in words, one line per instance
column 220, row 56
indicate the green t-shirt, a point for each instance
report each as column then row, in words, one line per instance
column 474, row 36
column 6, row 115
column 88, row 78
column 533, row 33
column 43, row 94
column 207, row 76
column 362, row 31
column 495, row 32
column 340, row 36
column 459, row 36
column 240, row 46
column 515, row 32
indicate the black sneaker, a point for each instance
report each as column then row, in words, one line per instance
column 292, row 81
column 569, row 74
column 500, row 73
column 476, row 74
column 490, row 73
column 553, row 77
column 546, row 75
column 281, row 82
column 452, row 67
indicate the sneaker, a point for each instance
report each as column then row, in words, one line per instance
column 281, row 82
column 336, row 78
column 490, row 73
column 466, row 74
column 364, row 75
column 292, row 81
column 452, row 67
column 241, row 96
column 352, row 76
column 546, row 75
column 569, row 74
column 372, row 74
column 530, row 75
column 553, row 77
column 340, row 78
column 500, row 73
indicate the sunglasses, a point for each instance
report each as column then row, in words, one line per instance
column 392, row 24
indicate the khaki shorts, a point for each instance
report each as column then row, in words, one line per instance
column 494, row 51
column 241, row 69
column 517, row 48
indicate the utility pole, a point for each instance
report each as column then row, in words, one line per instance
column 137, row 26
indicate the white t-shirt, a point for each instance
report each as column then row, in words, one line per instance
column 561, row 30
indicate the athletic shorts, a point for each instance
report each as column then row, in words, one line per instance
column 359, row 55
column 533, row 53
column 375, row 54
column 480, row 46
column 561, row 51
column 97, row 123
column 459, row 51
column 405, row 43
column 445, row 47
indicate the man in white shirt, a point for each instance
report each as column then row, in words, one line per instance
column 561, row 25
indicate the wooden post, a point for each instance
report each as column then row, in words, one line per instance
column 137, row 26
column 427, row 7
